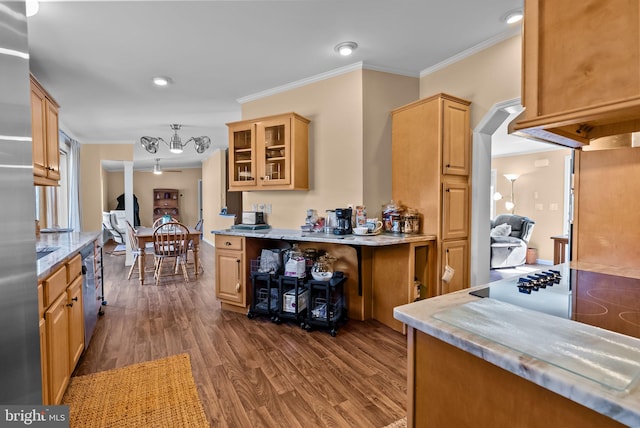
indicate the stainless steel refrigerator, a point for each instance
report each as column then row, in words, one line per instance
column 20, row 379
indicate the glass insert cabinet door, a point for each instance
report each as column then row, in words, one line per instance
column 273, row 152
column 242, row 156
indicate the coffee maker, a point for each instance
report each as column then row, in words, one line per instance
column 343, row 217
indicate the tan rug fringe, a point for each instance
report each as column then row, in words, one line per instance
column 401, row 423
column 158, row 393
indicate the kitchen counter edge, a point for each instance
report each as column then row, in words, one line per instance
column 69, row 244
column 623, row 407
column 382, row 239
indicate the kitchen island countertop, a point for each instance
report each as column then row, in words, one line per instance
column 67, row 244
column 492, row 333
column 379, row 240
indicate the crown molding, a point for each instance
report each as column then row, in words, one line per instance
column 473, row 50
column 302, row 82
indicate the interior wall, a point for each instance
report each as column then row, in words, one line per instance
column 92, row 194
column 538, row 194
column 186, row 181
column 382, row 93
column 213, row 191
column 334, row 107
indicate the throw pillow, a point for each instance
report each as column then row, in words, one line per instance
column 501, row 230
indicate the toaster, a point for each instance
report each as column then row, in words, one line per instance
column 252, row 217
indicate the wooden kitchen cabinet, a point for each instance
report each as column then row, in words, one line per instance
column 76, row 321
column 57, row 326
column 455, row 253
column 269, row 153
column 165, row 202
column 44, row 130
column 431, row 172
column 581, row 70
column 61, row 327
column 231, row 270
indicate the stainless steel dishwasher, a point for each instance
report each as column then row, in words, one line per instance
column 92, row 294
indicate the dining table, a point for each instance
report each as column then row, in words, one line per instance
column 145, row 235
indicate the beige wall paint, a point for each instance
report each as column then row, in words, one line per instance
column 485, row 78
column 92, row 193
column 334, row 107
column 349, row 142
column 185, row 181
column 382, row 92
column 213, row 184
column 547, row 182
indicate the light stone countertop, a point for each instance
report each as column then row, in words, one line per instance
column 596, row 368
column 379, row 240
column 68, row 244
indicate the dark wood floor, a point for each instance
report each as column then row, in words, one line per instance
column 251, row 373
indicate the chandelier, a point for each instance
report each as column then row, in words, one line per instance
column 175, row 144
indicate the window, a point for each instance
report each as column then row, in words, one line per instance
column 52, row 202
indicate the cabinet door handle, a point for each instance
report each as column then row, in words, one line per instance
column 448, row 165
column 239, row 273
column 75, row 299
column 227, row 243
column 70, row 305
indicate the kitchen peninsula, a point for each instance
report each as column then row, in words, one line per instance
column 381, row 270
column 513, row 366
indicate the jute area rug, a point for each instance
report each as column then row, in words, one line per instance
column 159, row 393
column 401, row 423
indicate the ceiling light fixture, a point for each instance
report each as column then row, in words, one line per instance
column 161, row 81
column 513, row 16
column 175, row 144
column 32, row 7
column 346, row 48
column 156, row 167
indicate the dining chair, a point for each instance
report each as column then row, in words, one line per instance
column 158, row 222
column 198, row 227
column 171, row 241
column 133, row 246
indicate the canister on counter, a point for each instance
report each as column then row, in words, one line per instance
column 361, row 215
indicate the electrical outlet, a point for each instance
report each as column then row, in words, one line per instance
column 539, row 207
column 261, row 207
column 267, row 208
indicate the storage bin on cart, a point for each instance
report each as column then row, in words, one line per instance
column 294, row 298
column 264, row 301
column 327, row 305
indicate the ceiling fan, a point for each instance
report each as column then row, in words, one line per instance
column 158, row 170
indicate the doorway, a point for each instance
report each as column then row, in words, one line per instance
column 541, row 191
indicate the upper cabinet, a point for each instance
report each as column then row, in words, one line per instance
column 581, row 70
column 270, row 153
column 44, row 134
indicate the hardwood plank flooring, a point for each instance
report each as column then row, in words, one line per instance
column 250, row 373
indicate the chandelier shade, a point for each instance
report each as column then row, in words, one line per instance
column 175, row 144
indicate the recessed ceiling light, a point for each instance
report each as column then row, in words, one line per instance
column 32, row 7
column 161, row 81
column 346, row 48
column 513, row 16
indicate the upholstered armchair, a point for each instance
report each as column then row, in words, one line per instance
column 115, row 223
column 510, row 234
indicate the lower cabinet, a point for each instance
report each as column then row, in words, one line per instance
column 76, row 321
column 61, row 328
column 57, row 350
column 455, row 254
column 230, row 270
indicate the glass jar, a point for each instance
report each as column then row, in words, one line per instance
column 322, row 269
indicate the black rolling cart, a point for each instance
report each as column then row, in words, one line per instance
column 265, row 295
column 327, row 306
column 293, row 299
